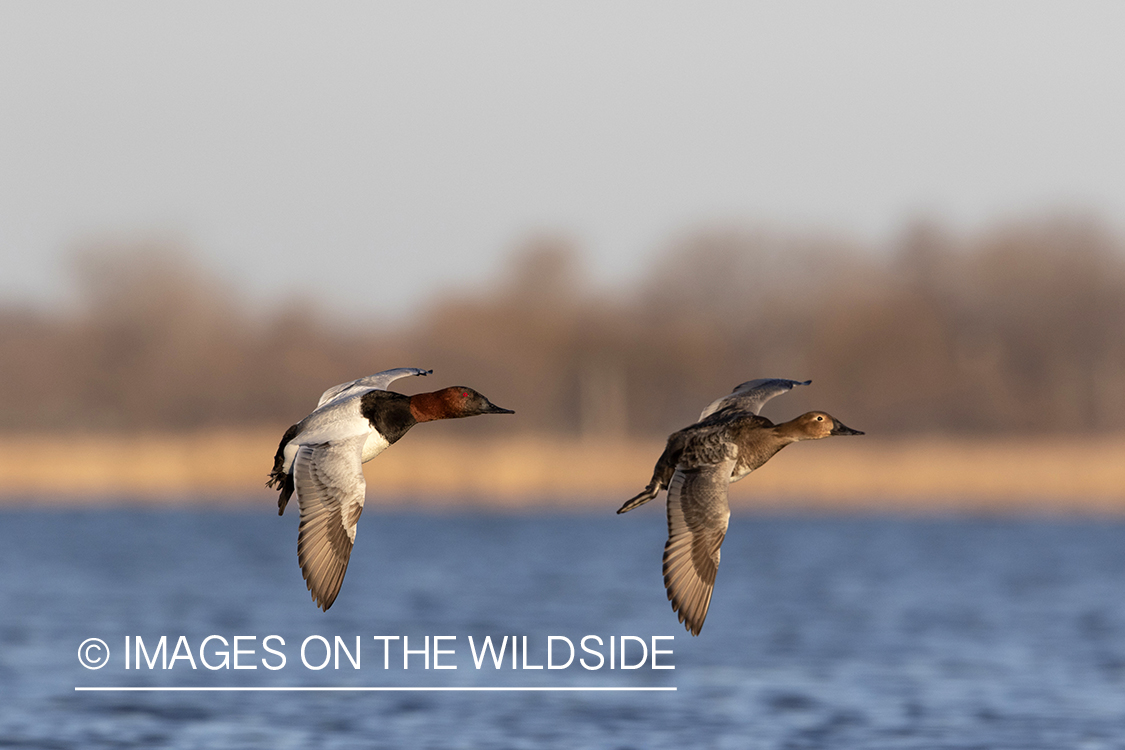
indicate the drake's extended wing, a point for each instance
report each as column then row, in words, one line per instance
column 377, row 382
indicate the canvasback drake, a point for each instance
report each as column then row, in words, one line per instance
column 699, row 463
column 321, row 459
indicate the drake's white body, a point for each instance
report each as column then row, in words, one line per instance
column 337, row 416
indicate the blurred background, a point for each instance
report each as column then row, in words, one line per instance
column 601, row 217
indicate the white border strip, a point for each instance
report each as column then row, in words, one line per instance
column 374, row 689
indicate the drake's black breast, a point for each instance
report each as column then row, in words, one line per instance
column 279, row 457
column 388, row 412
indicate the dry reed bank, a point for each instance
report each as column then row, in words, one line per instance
column 909, row 474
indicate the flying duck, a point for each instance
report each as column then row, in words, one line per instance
column 320, row 458
column 699, row 463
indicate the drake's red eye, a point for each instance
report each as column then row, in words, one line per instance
column 464, row 395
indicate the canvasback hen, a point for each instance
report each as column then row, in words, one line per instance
column 320, row 458
column 699, row 463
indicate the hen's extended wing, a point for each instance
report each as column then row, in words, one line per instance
column 751, row 395
column 697, row 523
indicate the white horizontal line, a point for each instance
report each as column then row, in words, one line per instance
column 371, row 689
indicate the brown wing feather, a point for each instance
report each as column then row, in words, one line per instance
column 697, row 523
column 330, row 491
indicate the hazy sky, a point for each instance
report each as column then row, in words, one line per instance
column 372, row 154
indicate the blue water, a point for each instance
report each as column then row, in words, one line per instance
column 868, row 632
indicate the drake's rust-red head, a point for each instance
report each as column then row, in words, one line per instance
column 452, row 403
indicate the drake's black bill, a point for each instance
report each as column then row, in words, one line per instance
column 494, row 409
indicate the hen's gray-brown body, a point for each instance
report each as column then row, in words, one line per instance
column 698, row 465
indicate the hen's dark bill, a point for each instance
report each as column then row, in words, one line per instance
column 843, row 429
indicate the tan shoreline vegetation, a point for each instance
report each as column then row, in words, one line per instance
column 916, row 474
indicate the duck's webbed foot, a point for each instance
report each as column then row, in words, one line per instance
column 649, row 492
column 283, row 482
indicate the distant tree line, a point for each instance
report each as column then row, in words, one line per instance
column 1020, row 328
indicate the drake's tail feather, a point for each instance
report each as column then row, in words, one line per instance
column 647, row 494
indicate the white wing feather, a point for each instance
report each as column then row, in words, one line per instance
column 377, row 382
